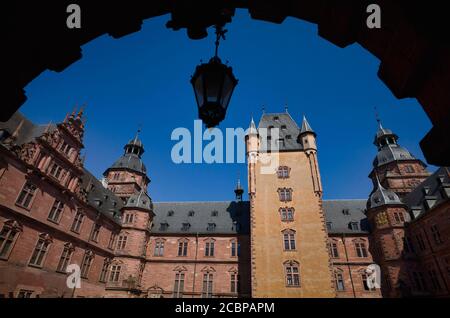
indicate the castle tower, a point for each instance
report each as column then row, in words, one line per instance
column 289, row 256
column 387, row 215
column 238, row 191
column 128, row 266
column 128, row 174
column 396, row 167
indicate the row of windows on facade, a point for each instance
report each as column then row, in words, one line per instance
column 340, row 282
column 410, row 247
column 399, row 217
column 9, row 235
column 24, row 200
column 207, row 284
column 210, row 227
column 184, row 243
column 360, row 249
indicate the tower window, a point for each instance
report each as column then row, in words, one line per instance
column 285, row 194
column 292, row 274
column 287, row 214
column 115, row 273
column 283, row 172
column 289, row 240
column 122, row 242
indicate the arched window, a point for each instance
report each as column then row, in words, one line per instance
column 292, row 271
column 40, row 250
column 288, row 240
column 178, row 287
column 208, row 278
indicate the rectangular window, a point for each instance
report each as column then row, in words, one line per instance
column 436, row 235
column 65, row 148
column 129, row 218
column 122, row 242
column 77, row 221
column 289, row 241
column 339, row 281
column 104, row 272
column 64, row 259
column 354, row 226
column 56, row 211
column 283, row 172
column 112, row 241
column 292, row 276
column 182, row 248
column 285, row 194
column 329, row 226
column 86, row 264
column 235, row 286
column 399, row 217
column 361, row 250
column 25, row 293
column 233, row 249
column 435, row 280
column 37, row 258
column 420, row 242
column 207, row 285
column 55, row 171
column 334, row 250
column 115, row 273
column 95, row 232
column 365, row 283
column 159, row 248
column 26, row 195
column 8, row 236
column 178, row 287
column 209, row 249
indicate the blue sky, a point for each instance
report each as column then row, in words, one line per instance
column 143, row 79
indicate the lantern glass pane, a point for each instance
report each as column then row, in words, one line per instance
column 199, row 90
column 227, row 90
column 213, row 85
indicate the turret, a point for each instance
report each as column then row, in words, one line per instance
column 307, row 136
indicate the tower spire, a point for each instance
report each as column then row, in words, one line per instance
column 238, row 190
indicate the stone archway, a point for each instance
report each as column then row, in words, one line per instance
column 413, row 44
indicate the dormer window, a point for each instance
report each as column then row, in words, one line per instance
column 276, row 118
column 354, row 226
column 185, row 227
column 329, row 226
column 211, row 227
column 214, row 213
column 65, row 148
column 426, row 190
column 283, row 127
column 170, row 213
column 163, row 226
column 191, row 213
column 288, row 137
column 346, row 211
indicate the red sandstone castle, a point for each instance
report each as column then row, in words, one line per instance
column 284, row 242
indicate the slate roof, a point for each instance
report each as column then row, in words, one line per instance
column 27, row 131
column 381, row 196
column 232, row 217
column 390, row 153
column 140, row 200
column 431, row 192
column 336, row 214
column 100, row 198
column 288, row 131
column 129, row 161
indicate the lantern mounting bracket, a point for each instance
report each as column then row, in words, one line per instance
column 220, row 34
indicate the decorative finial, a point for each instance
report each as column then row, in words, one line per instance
column 377, row 117
column 263, row 109
column 286, row 107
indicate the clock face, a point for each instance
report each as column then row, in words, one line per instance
column 381, row 219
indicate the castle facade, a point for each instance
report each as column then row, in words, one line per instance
column 286, row 241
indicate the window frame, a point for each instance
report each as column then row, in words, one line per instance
column 29, row 195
